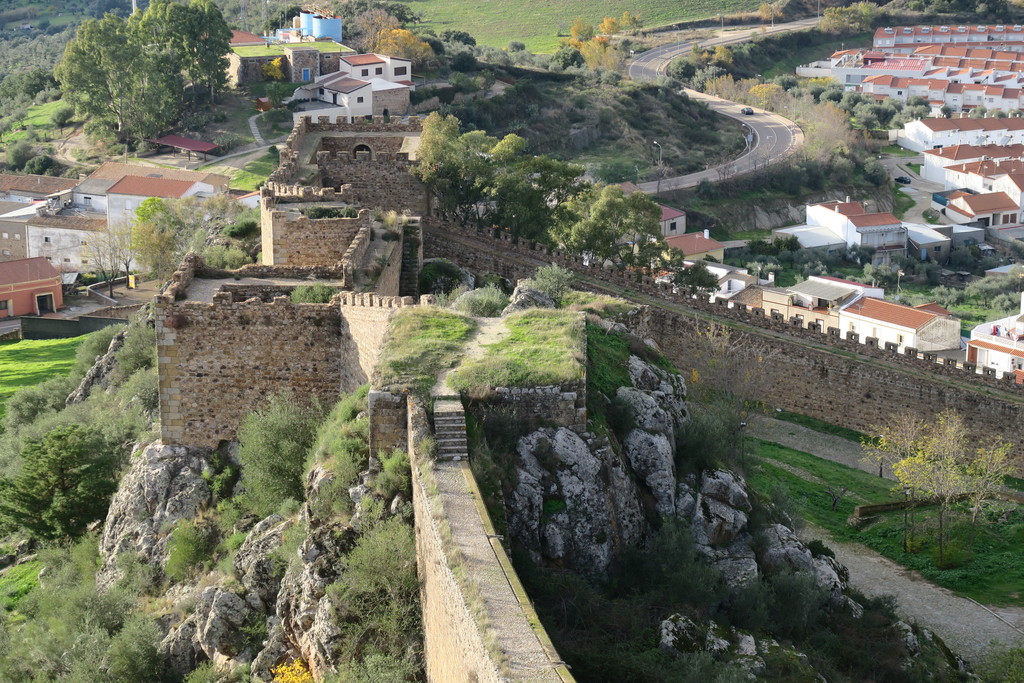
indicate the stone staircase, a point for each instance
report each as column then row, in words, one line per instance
column 409, row 277
column 450, row 429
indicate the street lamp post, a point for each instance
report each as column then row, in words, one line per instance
column 906, row 505
column 660, row 156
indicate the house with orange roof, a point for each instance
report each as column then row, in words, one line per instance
column 921, row 328
column 937, row 133
column 362, row 85
column 127, row 194
column 29, row 286
column 697, row 245
column 936, row 161
column 992, row 209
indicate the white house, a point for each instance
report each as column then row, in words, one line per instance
column 61, row 237
column 936, row 161
column 363, row 85
column 936, row 133
column 673, row 221
column 125, row 196
column 858, row 228
column 25, row 189
column 909, row 38
column 921, row 327
column 1000, row 344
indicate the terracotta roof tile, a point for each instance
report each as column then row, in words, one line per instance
column 668, row 213
column 36, row 184
column 362, row 60
column 693, row 243
column 150, row 187
column 888, row 312
column 114, row 170
column 933, row 307
column 1019, row 353
column 26, row 270
column 869, row 220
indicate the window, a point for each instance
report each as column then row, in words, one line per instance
column 83, row 242
column 49, row 259
column 46, row 240
column 321, row 91
column 938, row 248
column 17, row 236
column 899, row 339
column 87, row 201
column 6, row 252
column 366, row 72
column 67, row 260
column 3, row 304
column 672, row 226
column 401, row 70
column 85, row 261
column 359, row 99
column 379, row 70
column 6, row 236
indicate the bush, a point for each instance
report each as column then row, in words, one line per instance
column 133, row 655
column 487, row 302
column 18, row 155
column 229, row 258
column 313, row 294
column 272, row 446
column 40, row 165
column 554, row 281
column 395, row 476
column 187, row 550
column 29, row 402
column 317, row 212
column 137, row 353
column 440, row 275
column 242, row 229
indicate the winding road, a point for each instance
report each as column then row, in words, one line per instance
column 773, row 137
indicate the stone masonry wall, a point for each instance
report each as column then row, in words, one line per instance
column 290, row 240
column 814, row 372
column 211, row 356
column 564, row 405
column 379, row 183
column 396, row 102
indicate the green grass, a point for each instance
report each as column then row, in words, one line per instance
column 543, row 347
column 600, row 305
column 897, row 151
column 538, row 24
column 813, row 53
column 31, row 361
column 267, row 51
column 903, row 202
column 16, row 583
column 421, row 342
column 995, row 573
column 254, row 173
column 38, row 118
column 820, row 425
column 916, row 168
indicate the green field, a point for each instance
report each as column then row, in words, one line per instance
column 538, row 24
column 270, row 50
column 37, row 117
column 28, row 362
column 254, row 173
column 994, row 574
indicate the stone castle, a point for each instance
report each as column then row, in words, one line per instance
column 229, row 339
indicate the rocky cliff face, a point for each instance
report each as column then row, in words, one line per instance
column 580, row 499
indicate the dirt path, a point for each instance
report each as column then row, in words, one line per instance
column 965, row 625
column 488, row 331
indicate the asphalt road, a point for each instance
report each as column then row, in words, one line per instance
column 8, row 325
column 773, row 137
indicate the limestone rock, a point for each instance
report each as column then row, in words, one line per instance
column 307, row 619
column 647, row 413
column 737, row 561
column 181, row 649
column 650, row 455
column 220, row 616
column 785, row 552
column 275, row 652
column 257, row 568
column 686, row 501
column 679, row 633
column 726, row 487
column 716, row 523
column 525, row 297
column 163, row 485
column 98, row 374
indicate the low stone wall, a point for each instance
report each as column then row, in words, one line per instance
column 478, row 622
column 290, row 240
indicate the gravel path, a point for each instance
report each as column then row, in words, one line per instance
column 966, row 626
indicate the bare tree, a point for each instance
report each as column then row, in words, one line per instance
column 896, row 439
column 109, row 250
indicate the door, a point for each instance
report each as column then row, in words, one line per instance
column 44, row 303
column 305, row 75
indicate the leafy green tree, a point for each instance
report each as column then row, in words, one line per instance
column 110, row 74
column 19, row 154
column 697, row 279
column 63, row 485
column 198, row 37
column 62, row 115
column 154, row 237
column 607, row 223
column 567, row 56
column 273, row 444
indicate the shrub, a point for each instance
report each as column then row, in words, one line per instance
column 273, row 443
column 29, row 402
column 40, row 165
column 318, row 212
column 395, row 476
column 187, row 549
column 313, row 294
column 440, row 275
column 18, row 155
column 241, row 229
column 133, row 655
column 229, row 258
column 554, row 281
column 137, row 353
column 487, row 302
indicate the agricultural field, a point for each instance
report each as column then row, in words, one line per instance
column 31, row 361
column 38, row 119
column 539, row 24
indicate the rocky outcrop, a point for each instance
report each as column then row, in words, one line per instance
column 163, row 485
column 524, row 297
column 219, row 617
column 783, row 551
column 259, row 571
column 306, row 624
column 98, row 374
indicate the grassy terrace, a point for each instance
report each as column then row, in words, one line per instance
column 537, row 24
column 543, row 347
column 421, row 342
column 994, row 572
column 274, row 50
column 31, row 361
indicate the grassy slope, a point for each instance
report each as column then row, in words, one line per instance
column 255, row 173
column 37, row 116
column 32, row 361
column 421, row 342
column 543, row 347
column 995, row 574
column 537, row 24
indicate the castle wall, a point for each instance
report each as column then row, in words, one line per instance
column 396, row 102
column 292, row 240
column 812, row 372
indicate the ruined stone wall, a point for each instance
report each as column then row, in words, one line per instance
column 381, row 146
column 396, row 102
column 243, row 70
column 564, row 405
column 383, row 182
column 296, row 240
column 211, row 356
column 365, row 319
column 300, row 59
column 814, row 372
column 389, row 281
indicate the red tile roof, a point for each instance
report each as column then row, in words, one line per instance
column 150, row 187
column 693, row 243
column 869, row 220
column 26, row 270
column 668, row 213
column 986, row 203
column 933, row 307
column 244, row 37
column 1019, row 353
column 362, row 60
column 40, row 185
column 888, row 312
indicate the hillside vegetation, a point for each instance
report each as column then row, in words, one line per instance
column 31, row 361
column 538, row 24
